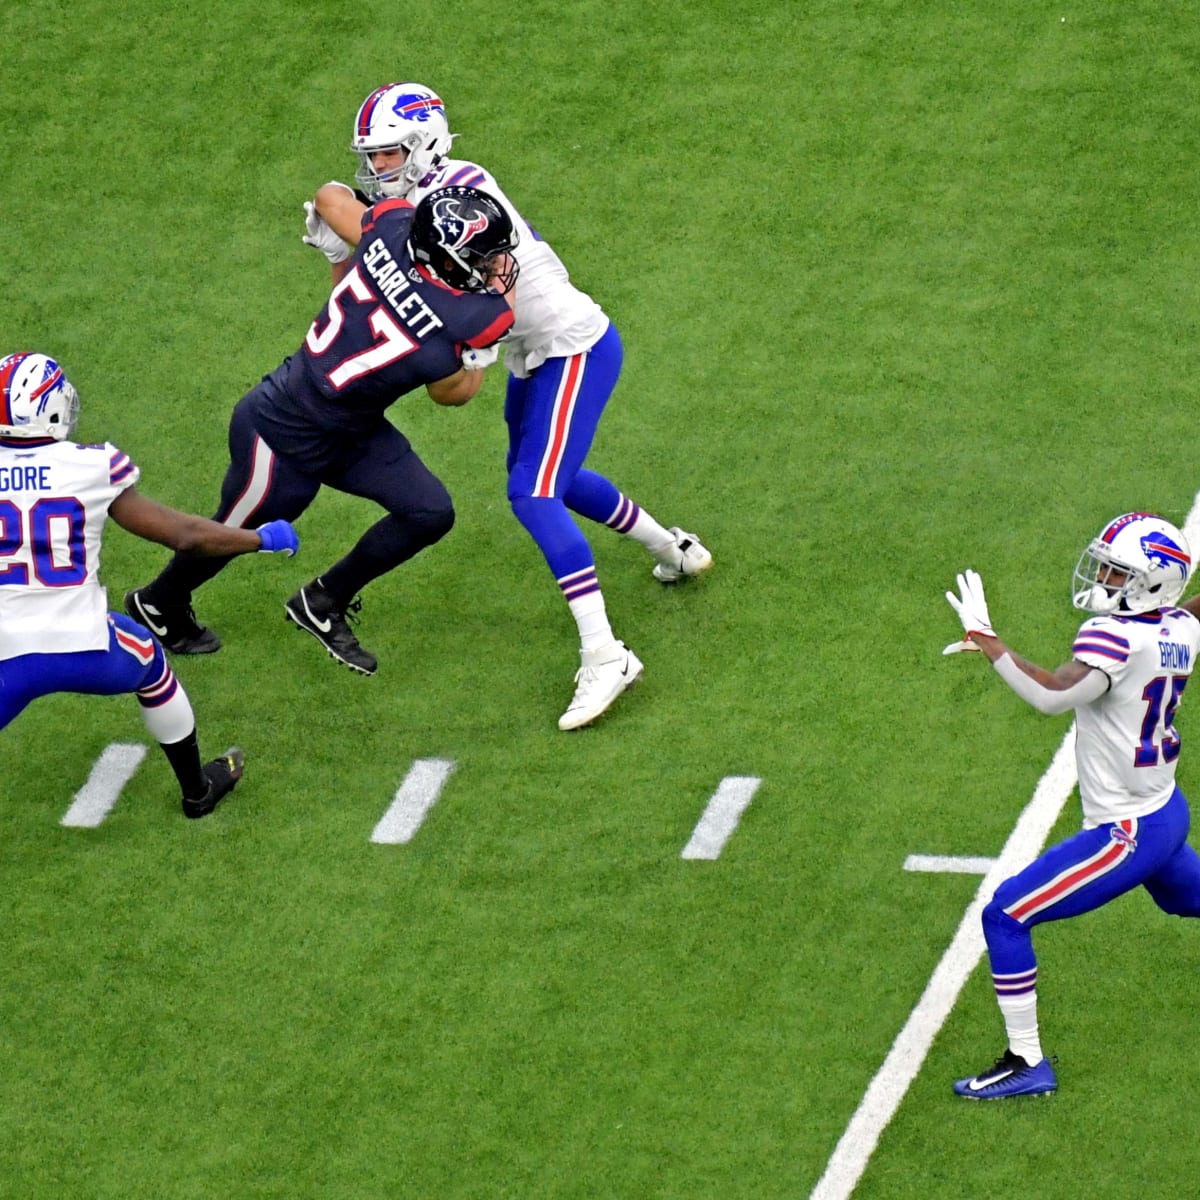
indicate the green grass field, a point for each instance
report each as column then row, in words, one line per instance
column 904, row 288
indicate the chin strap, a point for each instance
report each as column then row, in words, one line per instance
column 1098, row 599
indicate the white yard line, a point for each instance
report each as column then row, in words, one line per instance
column 721, row 816
column 908, row 1052
column 415, row 797
column 941, row 862
column 886, row 1090
column 110, row 773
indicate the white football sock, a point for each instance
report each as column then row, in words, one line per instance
column 590, row 616
column 650, row 533
column 1021, row 1023
column 170, row 722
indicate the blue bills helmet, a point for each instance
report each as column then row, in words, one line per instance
column 399, row 116
column 1137, row 563
column 465, row 239
column 36, row 398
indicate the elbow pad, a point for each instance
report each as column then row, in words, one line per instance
column 1051, row 701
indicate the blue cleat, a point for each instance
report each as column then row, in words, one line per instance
column 1011, row 1075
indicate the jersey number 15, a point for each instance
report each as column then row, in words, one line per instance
column 1153, row 693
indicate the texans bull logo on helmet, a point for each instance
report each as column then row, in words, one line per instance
column 455, row 228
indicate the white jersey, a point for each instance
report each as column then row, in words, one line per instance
column 552, row 318
column 54, row 499
column 1126, row 746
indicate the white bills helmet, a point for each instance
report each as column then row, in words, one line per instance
column 1138, row 563
column 400, row 116
column 36, row 398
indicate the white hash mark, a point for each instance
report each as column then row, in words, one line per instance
column 110, row 773
column 721, row 817
column 414, row 798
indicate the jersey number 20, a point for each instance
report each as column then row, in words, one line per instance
column 39, row 536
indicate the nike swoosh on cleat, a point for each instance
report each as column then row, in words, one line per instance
column 145, row 610
column 978, row 1084
column 323, row 626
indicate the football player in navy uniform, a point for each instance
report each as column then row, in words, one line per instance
column 564, row 358
column 56, row 633
column 426, row 295
column 1129, row 665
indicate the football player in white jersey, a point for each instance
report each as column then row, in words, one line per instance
column 56, row 633
column 1128, row 669
column 564, row 357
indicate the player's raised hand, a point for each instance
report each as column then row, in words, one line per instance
column 278, row 537
column 321, row 235
column 972, row 609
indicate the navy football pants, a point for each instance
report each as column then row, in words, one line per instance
column 262, row 486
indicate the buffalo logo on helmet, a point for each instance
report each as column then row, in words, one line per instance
column 36, row 398
column 33, row 388
column 1160, row 549
column 413, row 106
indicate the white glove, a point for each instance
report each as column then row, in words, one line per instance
column 960, row 647
column 972, row 610
column 322, row 236
column 476, row 360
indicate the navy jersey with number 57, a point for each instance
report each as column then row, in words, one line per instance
column 388, row 328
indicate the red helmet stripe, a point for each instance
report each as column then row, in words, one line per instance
column 1119, row 524
column 1171, row 552
column 424, row 105
column 48, row 384
column 7, row 368
column 368, row 109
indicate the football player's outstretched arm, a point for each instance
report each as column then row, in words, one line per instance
column 190, row 534
column 342, row 210
column 1050, row 692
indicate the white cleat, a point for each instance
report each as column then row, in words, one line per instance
column 604, row 675
column 684, row 556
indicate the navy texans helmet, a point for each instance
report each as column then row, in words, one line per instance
column 1137, row 563
column 461, row 235
column 36, row 398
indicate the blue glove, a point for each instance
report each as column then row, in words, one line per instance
column 278, row 537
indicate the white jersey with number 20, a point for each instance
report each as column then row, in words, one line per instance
column 54, row 499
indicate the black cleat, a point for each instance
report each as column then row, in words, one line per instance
column 174, row 625
column 313, row 609
column 222, row 775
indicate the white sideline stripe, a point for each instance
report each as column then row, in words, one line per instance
column 110, row 773
column 941, row 862
column 721, row 816
column 414, row 798
column 886, row 1090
